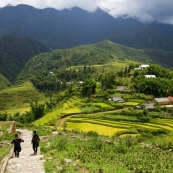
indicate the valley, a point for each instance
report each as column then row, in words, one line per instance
column 98, row 89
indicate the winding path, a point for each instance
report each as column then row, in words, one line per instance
column 27, row 161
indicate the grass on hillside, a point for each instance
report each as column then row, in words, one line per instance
column 4, row 136
column 18, row 98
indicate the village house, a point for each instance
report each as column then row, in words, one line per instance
column 122, row 88
column 149, row 106
column 171, row 99
column 142, row 67
column 117, row 99
column 162, row 101
column 150, row 76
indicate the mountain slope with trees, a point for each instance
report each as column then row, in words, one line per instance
column 15, row 52
column 66, row 28
column 148, row 38
column 4, row 82
column 72, row 27
column 93, row 54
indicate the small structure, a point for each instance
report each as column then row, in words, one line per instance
column 150, row 76
column 117, row 99
column 142, row 67
column 162, row 101
column 122, row 88
column 80, row 82
column 167, row 106
column 69, row 83
column 149, row 106
column 170, row 98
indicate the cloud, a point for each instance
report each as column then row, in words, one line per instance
column 144, row 10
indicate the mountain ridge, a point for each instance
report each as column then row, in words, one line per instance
column 15, row 52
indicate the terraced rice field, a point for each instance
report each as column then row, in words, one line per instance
column 109, row 128
column 86, row 127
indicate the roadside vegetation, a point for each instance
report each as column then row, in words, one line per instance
column 5, row 137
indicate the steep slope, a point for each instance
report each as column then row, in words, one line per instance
column 165, row 29
column 148, row 38
column 15, row 52
column 93, row 54
column 4, row 82
column 66, row 28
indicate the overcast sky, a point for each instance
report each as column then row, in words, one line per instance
column 145, row 10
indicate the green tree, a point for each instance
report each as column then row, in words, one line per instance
column 88, row 87
column 37, row 110
column 107, row 79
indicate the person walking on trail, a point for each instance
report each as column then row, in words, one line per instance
column 17, row 146
column 35, row 141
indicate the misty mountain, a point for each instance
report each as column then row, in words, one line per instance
column 15, row 51
column 66, row 28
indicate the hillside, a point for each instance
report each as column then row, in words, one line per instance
column 15, row 51
column 4, row 82
column 93, row 54
column 148, row 38
column 18, row 98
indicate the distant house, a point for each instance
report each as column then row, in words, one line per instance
column 80, row 82
column 142, row 67
column 149, row 106
column 150, row 76
column 69, row 83
column 170, row 98
column 168, row 106
column 117, row 99
column 122, row 88
column 162, row 101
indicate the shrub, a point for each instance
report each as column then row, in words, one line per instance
column 92, row 134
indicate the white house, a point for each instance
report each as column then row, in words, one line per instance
column 150, row 76
column 143, row 66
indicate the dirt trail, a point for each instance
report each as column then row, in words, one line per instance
column 27, row 161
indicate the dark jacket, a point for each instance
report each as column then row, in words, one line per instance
column 35, row 139
column 16, row 142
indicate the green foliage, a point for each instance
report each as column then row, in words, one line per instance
column 4, row 131
column 15, row 52
column 160, row 86
column 37, row 110
column 107, row 79
column 92, row 134
column 94, row 153
column 59, row 144
column 85, row 56
column 47, row 82
column 3, row 116
column 88, row 87
column 4, row 82
column 19, row 96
